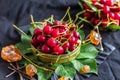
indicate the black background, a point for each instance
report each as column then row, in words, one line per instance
column 18, row 12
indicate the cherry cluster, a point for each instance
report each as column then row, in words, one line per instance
column 108, row 12
column 56, row 38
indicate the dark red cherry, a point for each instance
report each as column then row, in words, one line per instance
column 87, row 15
column 51, row 42
column 117, row 15
column 34, row 42
column 106, row 9
column 66, row 46
column 72, row 40
column 41, row 38
column 76, row 34
column 96, row 21
column 111, row 15
column 46, row 49
column 57, row 22
column 37, row 31
column 109, row 2
column 77, row 41
column 55, row 33
column 72, row 47
column 103, row 1
column 47, row 29
column 58, row 50
column 105, row 22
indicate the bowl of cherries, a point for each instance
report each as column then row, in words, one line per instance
column 56, row 42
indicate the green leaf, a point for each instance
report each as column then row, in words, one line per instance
column 88, row 51
column 77, row 64
column 90, row 5
column 66, row 70
column 82, row 35
column 25, row 44
column 43, row 75
column 31, row 30
column 113, row 27
column 92, row 63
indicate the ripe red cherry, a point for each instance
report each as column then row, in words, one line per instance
column 94, row 1
column 76, row 34
column 47, row 29
column 57, row 22
column 77, row 41
column 109, row 2
column 86, row 6
column 41, row 38
column 105, row 22
column 103, row 1
column 46, row 49
column 87, row 15
column 66, row 46
column 55, row 33
column 34, row 42
column 72, row 40
column 117, row 15
column 106, row 9
column 72, row 47
column 96, row 21
column 64, row 25
column 51, row 42
column 115, row 9
column 111, row 15
column 37, row 31
column 58, row 50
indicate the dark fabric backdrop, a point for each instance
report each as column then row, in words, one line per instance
column 18, row 12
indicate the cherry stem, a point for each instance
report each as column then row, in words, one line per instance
column 80, row 4
column 76, row 18
column 81, row 12
column 84, row 19
column 34, row 25
column 65, row 14
column 19, row 29
column 80, row 27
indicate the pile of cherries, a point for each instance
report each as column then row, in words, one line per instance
column 56, row 38
column 108, row 12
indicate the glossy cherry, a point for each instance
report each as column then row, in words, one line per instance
column 47, row 29
column 105, row 22
column 55, row 33
column 57, row 22
column 51, row 42
column 37, row 31
column 46, row 49
column 72, row 40
column 66, row 45
column 76, row 34
column 111, row 15
column 41, row 38
column 72, row 47
column 58, row 50
column 117, row 15
column 106, row 9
